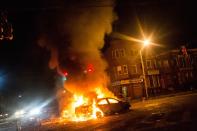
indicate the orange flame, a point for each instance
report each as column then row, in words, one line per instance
column 91, row 109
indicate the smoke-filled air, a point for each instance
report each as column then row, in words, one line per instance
column 75, row 41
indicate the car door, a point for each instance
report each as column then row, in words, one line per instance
column 103, row 105
column 115, row 105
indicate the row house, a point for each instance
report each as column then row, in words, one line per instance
column 178, row 68
column 125, row 69
column 153, row 75
column 164, row 72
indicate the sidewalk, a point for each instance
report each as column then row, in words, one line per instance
column 163, row 96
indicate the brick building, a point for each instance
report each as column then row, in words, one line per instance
column 126, row 69
column 178, row 68
column 166, row 71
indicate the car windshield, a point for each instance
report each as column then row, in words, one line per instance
column 112, row 100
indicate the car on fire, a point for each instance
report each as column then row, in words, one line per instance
column 108, row 106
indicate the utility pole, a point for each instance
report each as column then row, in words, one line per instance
column 144, row 74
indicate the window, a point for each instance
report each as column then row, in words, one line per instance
column 158, row 81
column 133, row 69
column 148, row 64
column 191, row 74
column 188, row 61
column 159, row 64
column 165, row 63
column 154, row 78
column 113, row 53
column 118, row 53
column 184, row 61
column 122, row 70
column 195, row 60
column 102, row 102
column 155, row 64
column 119, row 70
column 125, row 69
column 121, row 52
column 134, row 52
column 173, row 62
column 112, row 100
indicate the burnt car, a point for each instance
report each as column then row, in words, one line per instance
column 108, row 106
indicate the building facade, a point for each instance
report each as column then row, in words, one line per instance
column 178, row 68
column 126, row 69
column 164, row 72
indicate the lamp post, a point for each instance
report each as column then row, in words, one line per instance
column 146, row 43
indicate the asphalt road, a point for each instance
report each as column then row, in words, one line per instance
column 170, row 113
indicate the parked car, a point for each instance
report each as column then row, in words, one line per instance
column 107, row 105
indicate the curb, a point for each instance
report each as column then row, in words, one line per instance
column 163, row 96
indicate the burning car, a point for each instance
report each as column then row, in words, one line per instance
column 106, row 106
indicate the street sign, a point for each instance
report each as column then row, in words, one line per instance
column 153, row 72
column 127, row 81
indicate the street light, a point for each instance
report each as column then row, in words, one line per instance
column 146, row 42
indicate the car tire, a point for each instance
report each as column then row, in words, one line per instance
column 98, row 114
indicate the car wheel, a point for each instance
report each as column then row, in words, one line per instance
column 98, row 114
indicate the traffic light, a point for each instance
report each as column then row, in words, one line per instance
column 90, row 68
column 6, row 30
column 64, row 78
column 64, row 75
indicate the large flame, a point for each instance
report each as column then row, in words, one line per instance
column 78, row 100
column 75, row 38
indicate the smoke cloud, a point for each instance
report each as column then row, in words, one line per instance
column 75, row 38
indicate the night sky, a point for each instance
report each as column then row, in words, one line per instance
column 24, row 65
column 173, row 21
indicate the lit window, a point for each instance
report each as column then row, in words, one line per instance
column 125, row 69
column 122, row 70
column 148, row 64
column 133, row 69
column 118, row 53
column 119, row 70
